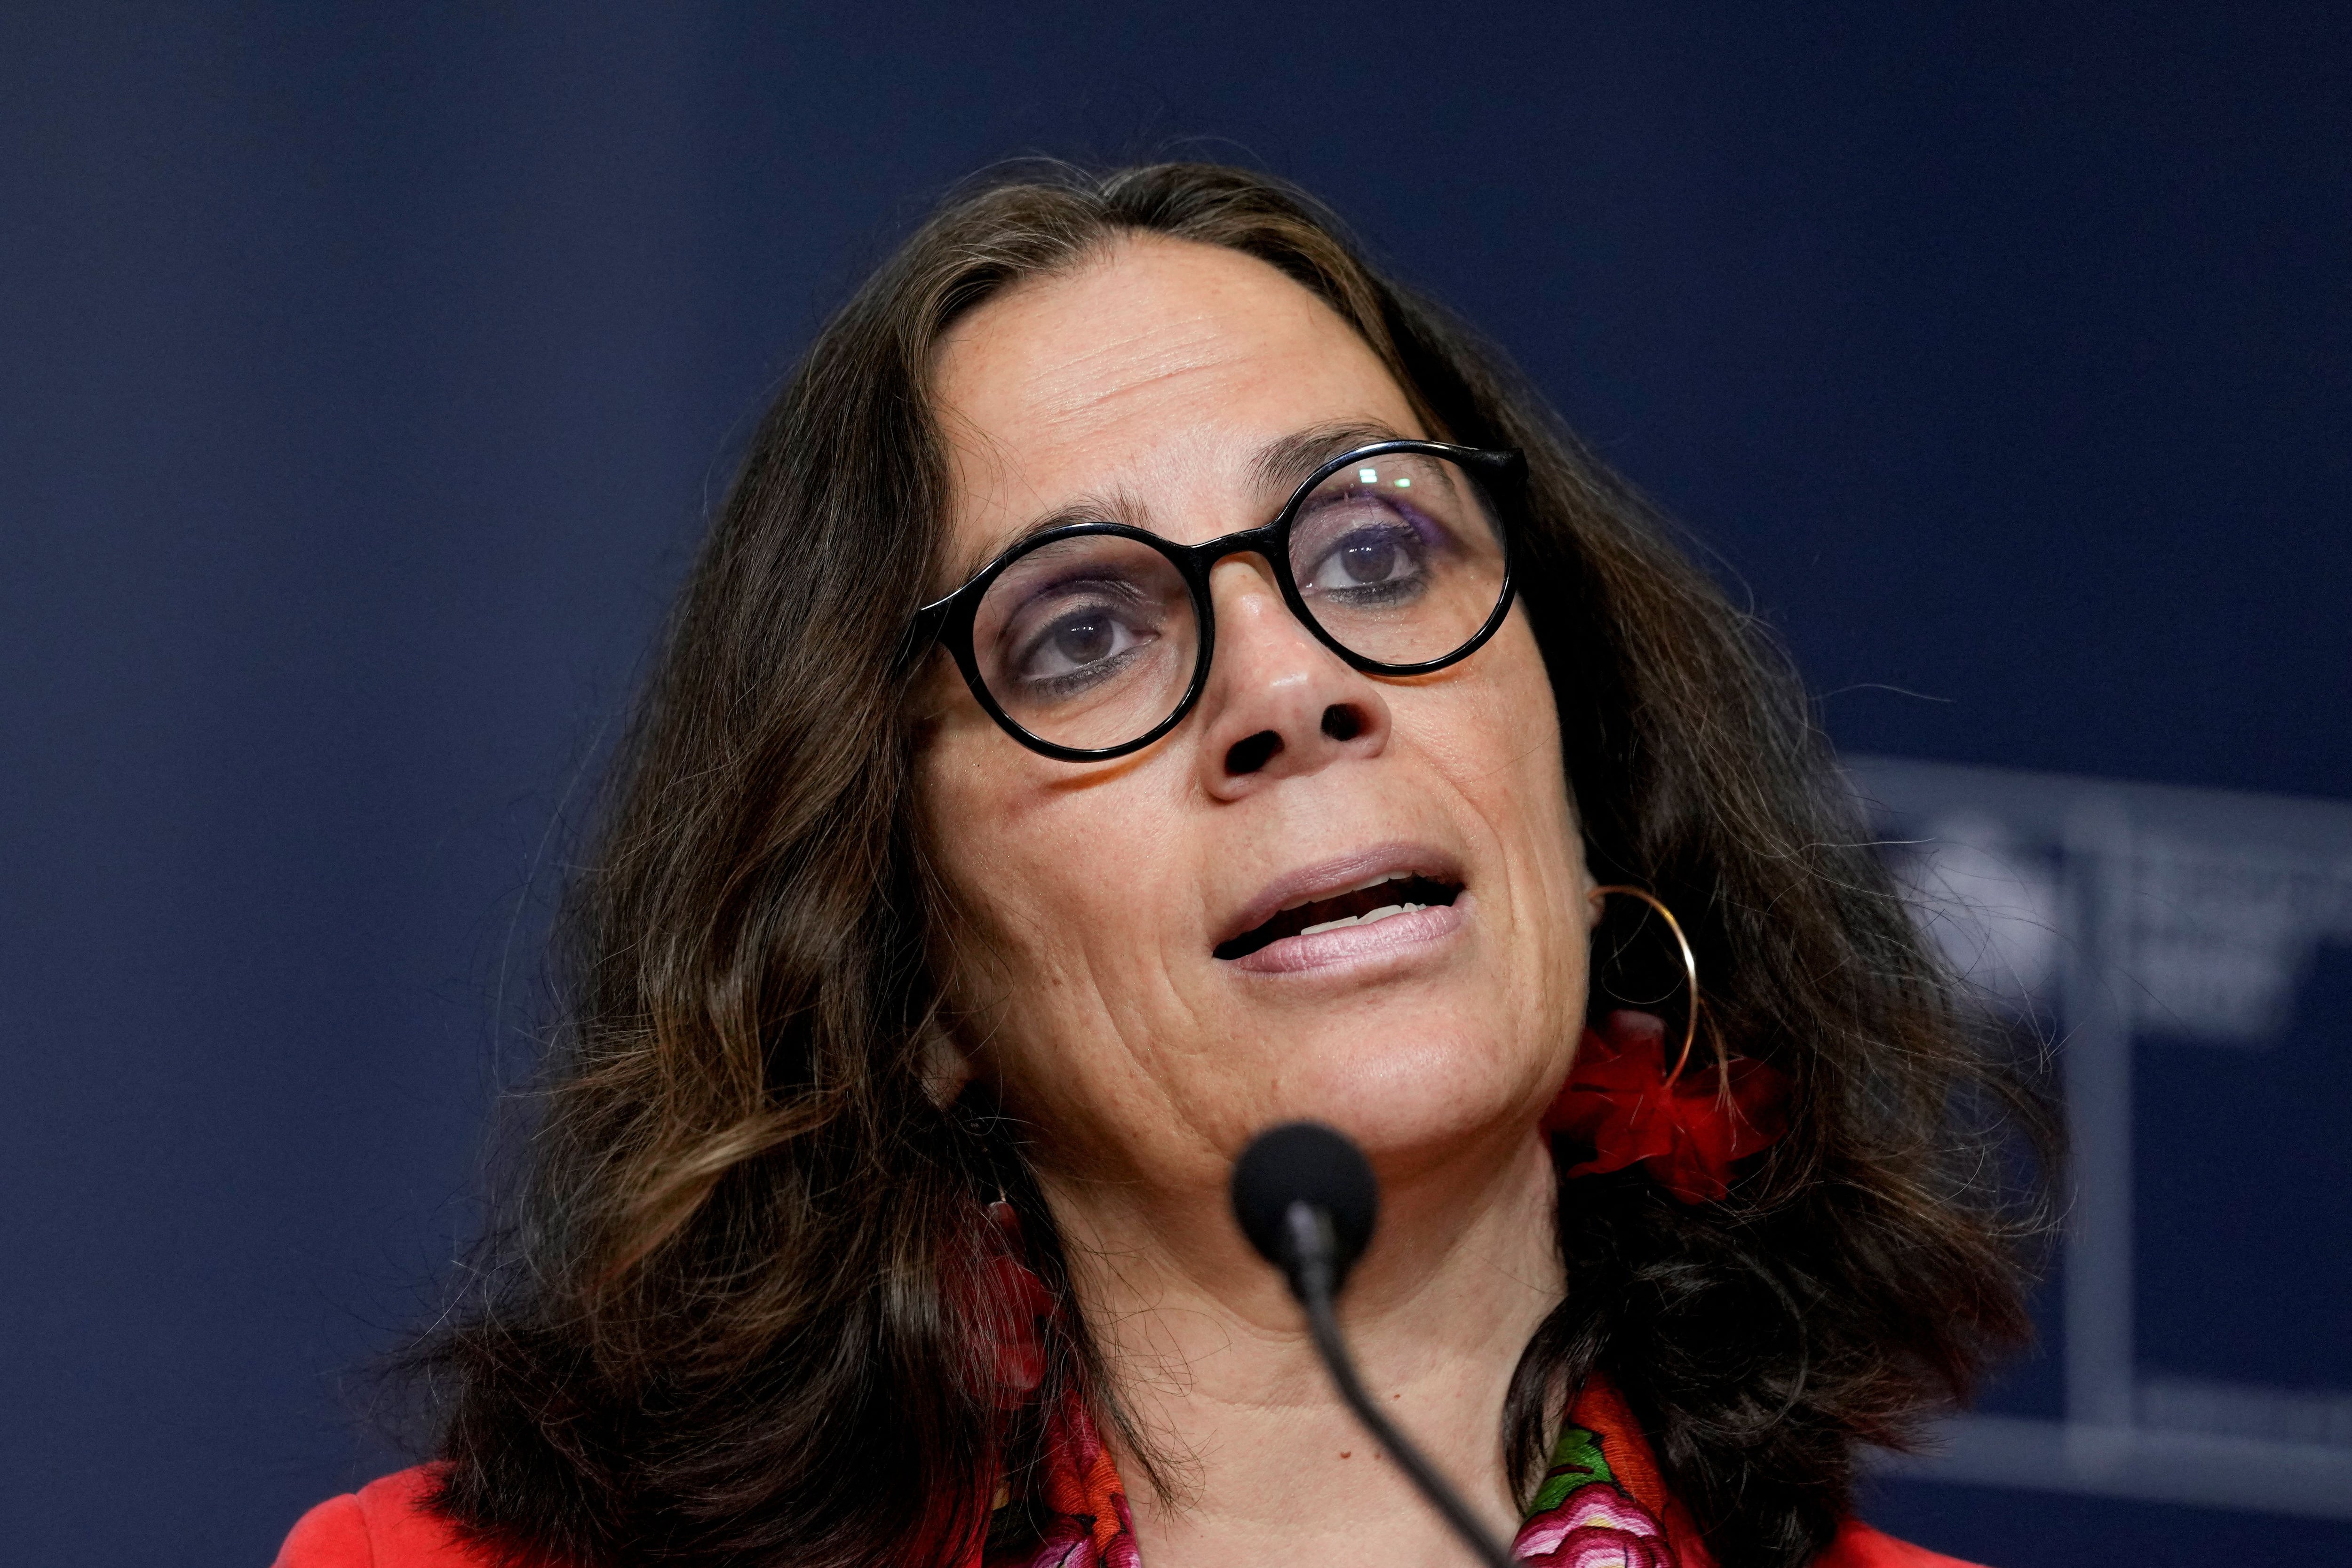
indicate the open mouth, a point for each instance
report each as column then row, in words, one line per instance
column 1399, row 893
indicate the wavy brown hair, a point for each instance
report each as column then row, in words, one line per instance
column 730, row 1317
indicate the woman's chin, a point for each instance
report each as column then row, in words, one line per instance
column 1408, row 1092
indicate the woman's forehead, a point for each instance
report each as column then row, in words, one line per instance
column 1164, row 362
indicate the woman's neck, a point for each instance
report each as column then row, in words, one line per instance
column 1213, row 1363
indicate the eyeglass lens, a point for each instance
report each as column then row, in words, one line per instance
column 1090, row 642
column 1087, row 642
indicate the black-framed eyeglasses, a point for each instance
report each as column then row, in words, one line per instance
column 1092, row 640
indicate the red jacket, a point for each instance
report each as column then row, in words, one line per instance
column 385, row 1525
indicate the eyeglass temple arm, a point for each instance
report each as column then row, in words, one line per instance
column 923, row 629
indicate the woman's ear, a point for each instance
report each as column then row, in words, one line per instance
column 1596, row 903
column 945, row 1065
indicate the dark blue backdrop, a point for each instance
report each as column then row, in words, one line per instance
column 366, row 379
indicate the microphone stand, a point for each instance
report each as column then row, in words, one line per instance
column 1312, row 1277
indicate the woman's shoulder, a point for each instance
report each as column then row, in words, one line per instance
column 384, row 1524
column 1858, row 1546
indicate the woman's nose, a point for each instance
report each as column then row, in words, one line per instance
column 1280, row 703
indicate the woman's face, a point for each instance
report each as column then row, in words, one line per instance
column 1150, row 387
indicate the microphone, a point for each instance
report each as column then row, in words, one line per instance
column 1307, row 1199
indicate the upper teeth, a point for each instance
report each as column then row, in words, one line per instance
column 1389, row 877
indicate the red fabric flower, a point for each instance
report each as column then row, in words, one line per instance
column 1013, row 1299
column 1685, row 1136
column 1595, row 1526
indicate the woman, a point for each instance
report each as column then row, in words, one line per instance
column 1155, row 678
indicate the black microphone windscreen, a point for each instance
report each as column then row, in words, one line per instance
column 1305, row 1161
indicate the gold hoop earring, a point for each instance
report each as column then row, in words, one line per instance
column 1690, row 967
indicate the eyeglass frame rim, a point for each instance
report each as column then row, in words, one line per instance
column 949, row 620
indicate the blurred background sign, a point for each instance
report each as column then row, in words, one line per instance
column 2190, row 952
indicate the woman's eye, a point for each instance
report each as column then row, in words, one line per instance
column 1385, row 557
column 1083, row 638
column 1077, row 640
column 1368, row 560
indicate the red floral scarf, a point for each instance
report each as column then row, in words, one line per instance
column 1601, row 1504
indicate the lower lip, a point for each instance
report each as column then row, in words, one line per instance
column 1355, row 945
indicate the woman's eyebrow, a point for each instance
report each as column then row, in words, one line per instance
column 1277, row 467
column 1116, row 507
column 1283, row 463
